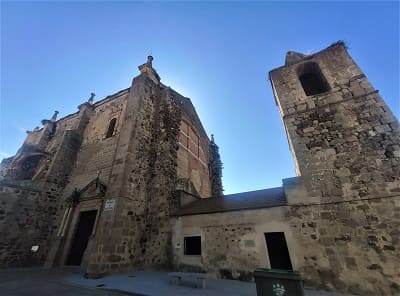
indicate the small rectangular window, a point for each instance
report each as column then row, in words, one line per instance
column 192, row 245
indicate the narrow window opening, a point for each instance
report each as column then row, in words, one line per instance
column 192, row 245
column 111, row 127
column 312, row 80
column 278, row 252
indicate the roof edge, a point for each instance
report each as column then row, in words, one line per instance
column 334, row 44
column 229, row 210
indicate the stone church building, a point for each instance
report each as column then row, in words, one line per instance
column 133, row 181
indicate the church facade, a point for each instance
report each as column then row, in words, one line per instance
column 133, row 181
column 96, row 188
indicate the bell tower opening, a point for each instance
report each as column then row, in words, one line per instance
column 311, row 78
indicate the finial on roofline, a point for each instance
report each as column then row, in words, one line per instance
column 91, row 99
column 150, row 60
column 54, row 117
column 149, row 70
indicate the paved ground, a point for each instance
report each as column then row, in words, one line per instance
column 70, row 282
column 156, row 283
column 44, row 282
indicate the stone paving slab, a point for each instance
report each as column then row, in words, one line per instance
column 156, row 283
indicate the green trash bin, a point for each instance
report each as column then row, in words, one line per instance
column 277, row 282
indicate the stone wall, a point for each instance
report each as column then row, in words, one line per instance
column 96, row 154
column 342, row 220
column 103, row 112
column 138, row 164
column 351, row 246
column 345, row 141
column 33, row 206
column 142, row 181
column 28, row 211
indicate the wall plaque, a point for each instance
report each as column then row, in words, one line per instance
column 110, row 204
column 35, row 248
column 249, row 243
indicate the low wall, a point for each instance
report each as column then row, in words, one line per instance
column 350, row 246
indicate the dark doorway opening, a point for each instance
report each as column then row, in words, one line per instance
column 278, row 251
column 81, row 237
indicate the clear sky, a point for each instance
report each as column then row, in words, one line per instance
column 53, row 54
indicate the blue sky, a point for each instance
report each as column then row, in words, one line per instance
column 53, row 54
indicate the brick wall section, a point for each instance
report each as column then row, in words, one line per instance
column 193, row 161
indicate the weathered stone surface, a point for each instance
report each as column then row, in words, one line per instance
column 343, row 214
column 345, row 147
column 342, row 217
column 81, row 165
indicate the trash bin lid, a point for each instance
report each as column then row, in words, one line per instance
column 277, row 273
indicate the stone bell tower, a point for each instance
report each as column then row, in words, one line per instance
column 343, row 137
column 345, row 142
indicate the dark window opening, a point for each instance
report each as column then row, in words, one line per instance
column 312, row 80
column 278, row 252
column 111, row 127
column 192, row 245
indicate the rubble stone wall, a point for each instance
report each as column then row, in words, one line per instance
column 345, row 143
column 350, row 246
column 142, row 181
column 28, row 212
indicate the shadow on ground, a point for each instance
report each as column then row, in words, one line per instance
column 70, row 282
column 46, row 282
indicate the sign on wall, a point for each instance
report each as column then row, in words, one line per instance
column 35, row 248
column 110, row 204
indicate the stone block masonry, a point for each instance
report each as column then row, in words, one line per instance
column 144, row 183
column 345, row 142
column 349, row 246
column 139, row 166
column 341, row 214
column 116, row 158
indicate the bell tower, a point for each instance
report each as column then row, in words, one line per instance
column 343, row 137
